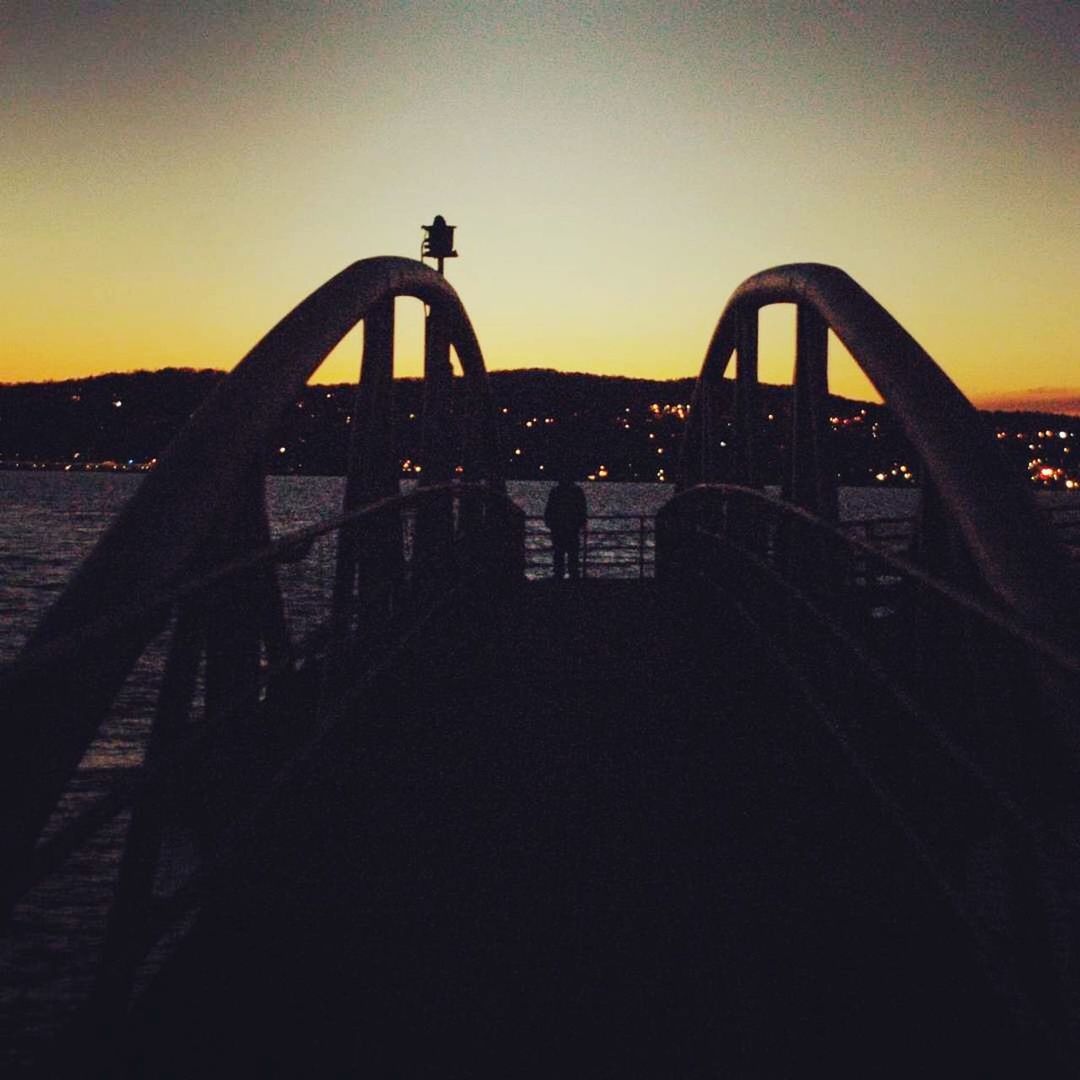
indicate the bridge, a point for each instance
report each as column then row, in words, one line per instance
column 797, row 797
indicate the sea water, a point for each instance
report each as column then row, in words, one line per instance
column 51, row 520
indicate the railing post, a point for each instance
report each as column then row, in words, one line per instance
column 438, row 388
column 239, row 609
column 503, row 535
column 664, row 543
column 937, row 635
column 714, row 404
column 747, row 399
column 434, row 517
column 372, row 471
column 938, row 545
column 811, row 479
column 131, row 910
column 812, row 483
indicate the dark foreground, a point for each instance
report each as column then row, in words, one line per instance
column 613, row 850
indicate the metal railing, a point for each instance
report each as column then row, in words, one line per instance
column 961, row 720
column 233, row 715
column 203, row 506
column 613, row 546
column 897, row 535
column 892, row 534
column 624, row 545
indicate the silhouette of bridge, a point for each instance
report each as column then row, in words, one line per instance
column 805, row 799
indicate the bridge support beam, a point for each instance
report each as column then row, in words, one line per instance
column 812, row 478
column 373, row 467
column 434, row 526
column 747, row 398
column 132, row 910
column 245, row 611
column 715, row 405
column 438, row 387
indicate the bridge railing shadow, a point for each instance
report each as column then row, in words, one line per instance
column 956, row 715
column 233, row 706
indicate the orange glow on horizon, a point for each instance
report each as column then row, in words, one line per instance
column 176, row 181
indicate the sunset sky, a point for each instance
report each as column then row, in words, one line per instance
column 177, row 176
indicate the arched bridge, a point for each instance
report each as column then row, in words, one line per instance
column 805, row 799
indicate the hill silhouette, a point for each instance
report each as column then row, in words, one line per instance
column 618, row 427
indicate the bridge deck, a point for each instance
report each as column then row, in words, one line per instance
column 594, row 851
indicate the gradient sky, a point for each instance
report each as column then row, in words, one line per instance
column 177, row 176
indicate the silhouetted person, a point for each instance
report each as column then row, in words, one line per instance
column 565, row 516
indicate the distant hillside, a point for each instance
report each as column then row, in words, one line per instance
column 109, row 417
column 625, row 428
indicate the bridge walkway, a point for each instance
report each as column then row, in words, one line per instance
column 606, row 846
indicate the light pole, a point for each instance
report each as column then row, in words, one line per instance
column 438, row 241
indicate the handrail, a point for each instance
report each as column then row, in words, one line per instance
column 62, row 649
column 1001, row 618
column 988, row 504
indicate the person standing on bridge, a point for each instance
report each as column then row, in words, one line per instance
column 565, row 516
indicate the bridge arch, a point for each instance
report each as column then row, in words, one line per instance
column 204, row 505
column 969, row 495
column 158, row 531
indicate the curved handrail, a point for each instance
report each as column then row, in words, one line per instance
column 989, row 505
column 1047, row 653
column 103, row 628
column 158, row 531
column 1049, row 649
column 158, row 535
